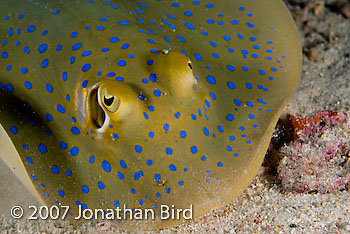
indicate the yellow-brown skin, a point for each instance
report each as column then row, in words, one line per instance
column 106, row 101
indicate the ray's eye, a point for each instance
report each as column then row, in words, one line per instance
column 110, row 102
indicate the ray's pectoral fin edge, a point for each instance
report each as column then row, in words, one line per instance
column 20, row 130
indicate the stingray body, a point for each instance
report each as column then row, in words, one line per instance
column 143, row 103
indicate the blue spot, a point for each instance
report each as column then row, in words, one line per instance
column 234, row 21
column 209, row 5
column 42, row 148
column 138, row 149
column 100, row 28
column 189, row 25
column 31, row 28
column 262, row 72
column 157, row 93
column 220, row 128
column 250, row 104
column 29, row 160
column 169, row 151
column 123, row 22
column 59, row 47
column 123, row 164
column 120, row 175
column 24, row 70
column 121, row 63
column 183, row 134
column 125, row 46
column 42, row 48
column 198, row 56
column 181, row 183
column 60, row 193
column 151, row 41
column 100, row 185
column 119, row 78
column 172, row 167
column 149, row 162
column 73, row 34
column 206, row 131
column 116, row 204
column 138, row 175
column 114, row 39
column 86, row 53
column 227, row 38
column 92, row 159
column 210, row 21
column 194, row 149
column 237, row 102
column 55, row 170
column 157, row 177
column 84, row 84
column 13, row 130
column 132, row 191
column 86, row 67
column 153, row 77
column 230, row 117
column 54, row 12
column 60, row 109
column 44, row 63
column 104, row 49
column 8, row 67
column 49, row 88
column 213, row 43
column 77, row 46
column 4, row 55
column 251, row 116
column 240, row 36
column 151, row 134
column 212, row 95
column 175, row 4
column 64, row 76
column 245, row 68
column 27, row 84
column 74, row 151
column 9, row 87
column 195, row 2
column 85, row 189
column 220, row 164
column 249, row 85
column 106, row 166
column 68, row 172
column 193, row 116
column 211, row 79
column 231, row 68
column 75, row 130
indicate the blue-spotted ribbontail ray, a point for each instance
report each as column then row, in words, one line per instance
column 143, row 103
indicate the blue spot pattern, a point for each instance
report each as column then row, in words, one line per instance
column 81, row 59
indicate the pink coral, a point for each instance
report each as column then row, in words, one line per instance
column 317, row 158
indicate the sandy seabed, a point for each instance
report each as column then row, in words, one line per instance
column 264, row 207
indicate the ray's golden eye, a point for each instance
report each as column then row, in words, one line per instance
column 109, row 101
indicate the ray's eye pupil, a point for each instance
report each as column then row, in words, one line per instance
column 190, row 65
column 108, row 101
